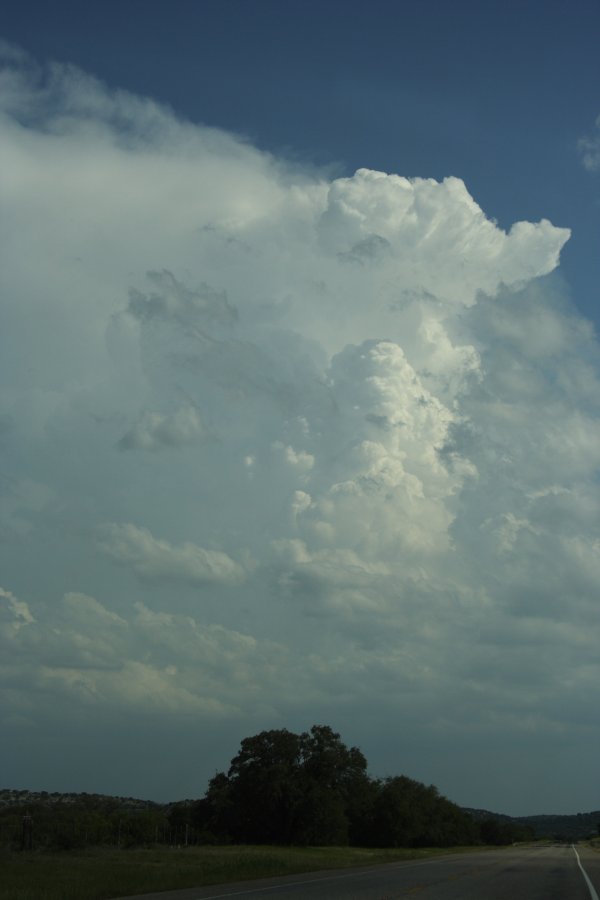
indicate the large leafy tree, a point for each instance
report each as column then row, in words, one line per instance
column 289, row 788
column 335, row 781
column 265, row 787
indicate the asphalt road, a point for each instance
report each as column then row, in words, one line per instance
column 528, row 873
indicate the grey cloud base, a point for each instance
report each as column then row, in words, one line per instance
column 280, row 449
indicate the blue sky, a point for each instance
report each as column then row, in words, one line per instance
column 300, row 391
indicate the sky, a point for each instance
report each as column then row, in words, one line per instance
column 299, row 392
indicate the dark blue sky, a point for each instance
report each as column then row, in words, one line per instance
column 497, row 93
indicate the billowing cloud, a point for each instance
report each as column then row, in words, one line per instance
column 362, row 431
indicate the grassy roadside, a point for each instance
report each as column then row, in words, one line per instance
column 101, row 874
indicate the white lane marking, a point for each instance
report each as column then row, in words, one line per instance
column 591, row 889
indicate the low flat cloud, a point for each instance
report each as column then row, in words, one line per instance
column 344, row 431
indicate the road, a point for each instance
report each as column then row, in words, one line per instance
column 527, row 873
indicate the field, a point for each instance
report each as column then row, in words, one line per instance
column 101, row 874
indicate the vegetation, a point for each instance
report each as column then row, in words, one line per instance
column 567, row 828
column 310, row 789
column 288, row 803
column 281, row 788
column 73, row 821
column 100, row 874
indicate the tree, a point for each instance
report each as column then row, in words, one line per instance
column 287, row 788
column 259, row 795
column 335, row 786
column 310, row 788
column 408, row 813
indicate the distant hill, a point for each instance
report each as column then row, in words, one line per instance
column 67, row 821
column 581, row 825
column 557, row 827
column 9, row 797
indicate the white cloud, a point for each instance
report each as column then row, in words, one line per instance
column 374, row 216
column 150, row 557
column 140, row 661
column 15, row 613
column 386, row 424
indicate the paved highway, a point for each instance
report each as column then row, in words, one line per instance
column 527, row 873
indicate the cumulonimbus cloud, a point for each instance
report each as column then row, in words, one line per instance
column 401, row 475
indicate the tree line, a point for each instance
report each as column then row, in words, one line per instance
column 84, row 820
column 280, row 788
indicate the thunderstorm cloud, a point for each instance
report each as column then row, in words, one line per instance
column 280, row 447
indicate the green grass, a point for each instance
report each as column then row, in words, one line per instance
column 101, row 874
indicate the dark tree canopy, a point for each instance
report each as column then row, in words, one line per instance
column 288, row 788
column 310, row 788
